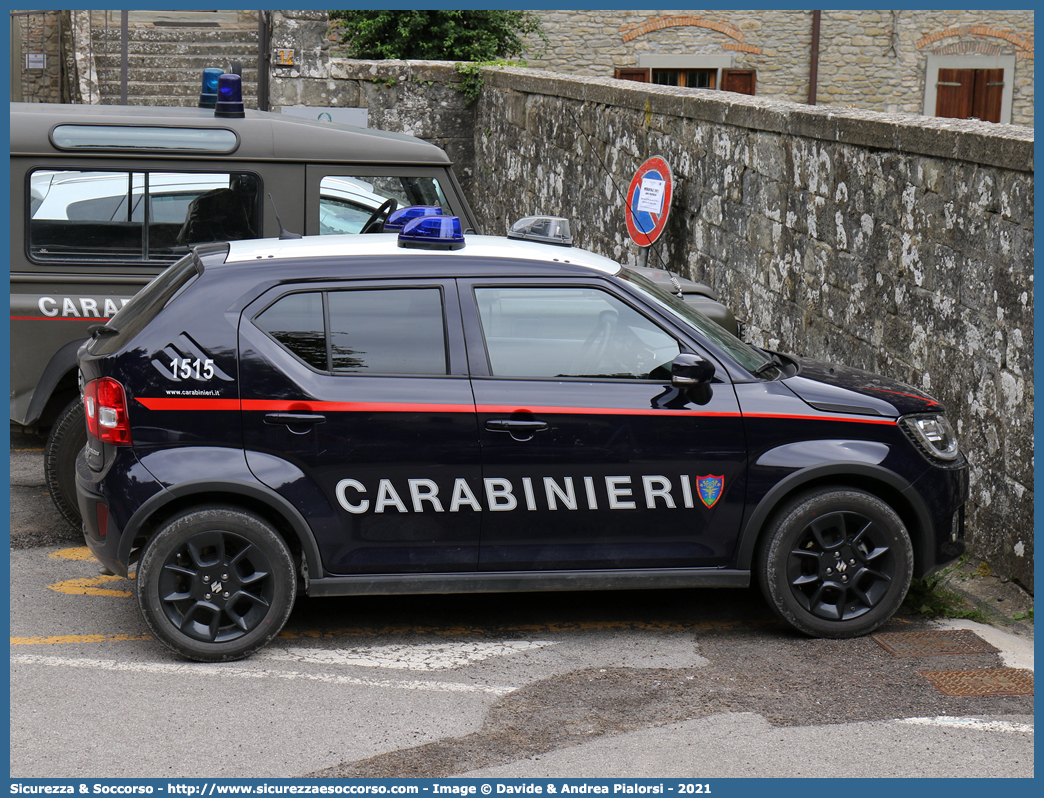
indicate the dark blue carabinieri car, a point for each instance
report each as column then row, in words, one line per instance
column 429, row 413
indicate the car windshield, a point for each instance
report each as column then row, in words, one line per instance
column 747, row 356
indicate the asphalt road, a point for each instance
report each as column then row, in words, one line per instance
column 688, row 683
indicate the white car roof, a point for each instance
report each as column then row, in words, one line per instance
column 377, row 244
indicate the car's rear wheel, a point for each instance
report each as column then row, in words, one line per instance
column 216, row 584
column 836, row 563
column 68, row 436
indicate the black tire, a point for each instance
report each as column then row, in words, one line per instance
column 68, row 436
column 196, row 550
column 835, row 563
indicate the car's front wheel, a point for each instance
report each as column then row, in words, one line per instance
column 836, row 563
column 216, row 584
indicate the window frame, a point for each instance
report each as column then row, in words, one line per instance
column 478, row 352
column 146, row 258
column 453, row 339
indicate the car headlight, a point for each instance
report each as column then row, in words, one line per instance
column 933, row 435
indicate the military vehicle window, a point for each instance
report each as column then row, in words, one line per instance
column 135, row 216
column 387, row 331
column 347, row 203
column 133, row 137
column 296, row 321
column 570, row 332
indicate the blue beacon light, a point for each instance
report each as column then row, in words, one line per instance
column 230, row 97
column 403, row 216
column 432, row 232
column 209, row 93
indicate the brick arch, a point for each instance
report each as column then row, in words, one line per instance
column 1023, row 44
column 688, row 21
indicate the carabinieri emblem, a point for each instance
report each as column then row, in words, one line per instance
column 709, row 488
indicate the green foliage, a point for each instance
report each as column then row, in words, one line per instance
column 471, row 78
column 435, row 35
column 930, row 598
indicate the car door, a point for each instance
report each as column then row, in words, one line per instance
column 591, row 458
column 358, row 391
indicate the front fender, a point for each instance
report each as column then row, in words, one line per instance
column 852, row 473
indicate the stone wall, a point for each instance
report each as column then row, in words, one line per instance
column 37, row 33
column 867, row 59
column 414, row 97
column 896, row 243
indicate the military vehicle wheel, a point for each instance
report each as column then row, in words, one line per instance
column 68, row 436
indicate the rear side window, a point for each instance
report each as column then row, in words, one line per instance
column 296, row 322
column 137, row 216
column 362, row 331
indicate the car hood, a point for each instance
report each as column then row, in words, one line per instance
column 841, row 389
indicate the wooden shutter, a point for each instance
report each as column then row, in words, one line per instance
column 988, row 94
column 968, row 93
column 633, row 73
column 953, row 93
column 738, row 80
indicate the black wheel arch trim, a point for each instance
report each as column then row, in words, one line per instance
column 921, row 538
column 58, row 367
column 259, row 493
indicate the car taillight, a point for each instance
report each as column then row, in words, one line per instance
column 106, row 406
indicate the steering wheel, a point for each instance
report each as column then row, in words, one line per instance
column 597, row 342
column 373, row 224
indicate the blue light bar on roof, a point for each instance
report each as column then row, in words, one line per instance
column 209, row 93
column 230, row 97
column 400, row 218
column 432, row 232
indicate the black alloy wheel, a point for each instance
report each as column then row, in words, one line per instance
column 836, row 563
column 216, row 584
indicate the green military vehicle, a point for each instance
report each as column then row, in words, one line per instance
column 103, row 198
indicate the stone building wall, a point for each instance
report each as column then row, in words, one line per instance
column 413, row 97
column 895, row 243
column 868, row 59
column 38, row 33
column 899, row 244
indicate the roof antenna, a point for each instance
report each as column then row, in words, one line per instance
column 284, row 234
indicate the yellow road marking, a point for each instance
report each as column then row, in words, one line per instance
column 74, row 553
column 61, row 639
column 27, row 450
column 89, row 587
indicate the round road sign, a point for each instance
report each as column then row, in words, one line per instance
column 649, row 201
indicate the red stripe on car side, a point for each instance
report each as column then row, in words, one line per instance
column 284, row 406
column 155, row 403
column 603, row 411
column 849, row 419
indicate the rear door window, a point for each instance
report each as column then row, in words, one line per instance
column 364, row 331
column 79, row 215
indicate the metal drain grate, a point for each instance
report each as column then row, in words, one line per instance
column 927, row 644
column 999, row 681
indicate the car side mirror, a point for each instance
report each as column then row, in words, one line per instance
column 691, row 371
